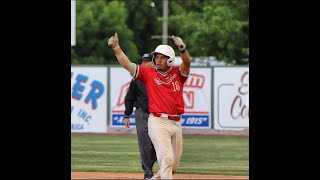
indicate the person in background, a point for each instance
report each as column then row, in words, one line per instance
column 137, row 97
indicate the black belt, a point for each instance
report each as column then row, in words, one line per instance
column 142, row 110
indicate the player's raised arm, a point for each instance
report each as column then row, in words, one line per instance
column 185, row 65
column 121, row 57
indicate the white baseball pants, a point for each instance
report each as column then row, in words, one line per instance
column 166, row 136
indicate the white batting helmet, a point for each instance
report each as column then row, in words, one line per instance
column 167, row 51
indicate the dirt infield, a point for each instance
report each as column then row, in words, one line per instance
column 108, row 175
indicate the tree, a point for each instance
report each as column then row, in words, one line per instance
column 95, row 23
column 144, row 22
column 215, row 28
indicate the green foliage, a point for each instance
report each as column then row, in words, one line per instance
column 95, row 24
column 144, row 23
column 217, row 28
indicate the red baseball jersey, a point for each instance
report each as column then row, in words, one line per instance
column 164, row 89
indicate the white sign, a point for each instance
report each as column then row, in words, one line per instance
column 73, row 22
column 120, row 80
column 88, row 99
column 196, row 94
column 197, row 99
column 231, row 98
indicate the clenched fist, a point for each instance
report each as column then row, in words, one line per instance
column 127, row 122
column 114, row 42
column 178, row 41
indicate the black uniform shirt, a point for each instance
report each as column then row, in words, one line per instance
column 136, row 97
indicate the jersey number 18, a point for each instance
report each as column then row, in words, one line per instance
column 176, row 86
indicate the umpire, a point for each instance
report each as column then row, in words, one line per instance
column 137, row 97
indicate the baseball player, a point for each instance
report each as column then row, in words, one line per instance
column 137, row 97
column 164, row 86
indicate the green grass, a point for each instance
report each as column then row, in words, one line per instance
column 201, row 155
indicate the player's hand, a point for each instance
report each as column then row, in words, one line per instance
column 178, row 41
column 114, row 42
column 127, row 122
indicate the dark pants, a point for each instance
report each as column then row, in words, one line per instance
column 147, row 152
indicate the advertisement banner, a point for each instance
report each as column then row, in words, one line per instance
column 231, row 98
column 196, row 94
column 88, row 99
column 197, row 99
column 120, row 80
